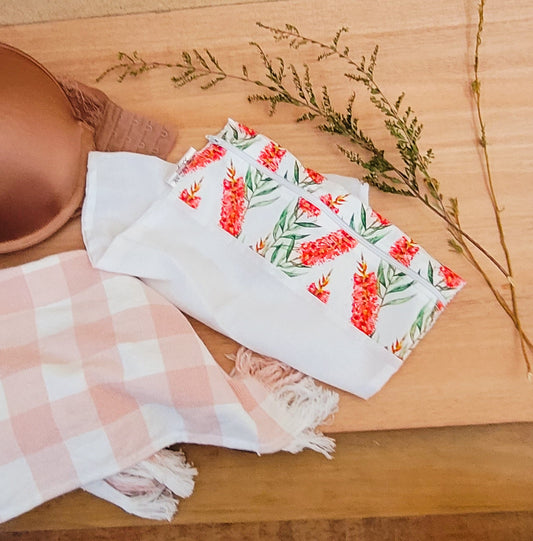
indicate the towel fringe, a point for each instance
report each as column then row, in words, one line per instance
column 272, row 373
column 297, row 403
column 148, row 488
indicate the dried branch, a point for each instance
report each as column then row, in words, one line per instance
column 285, row 83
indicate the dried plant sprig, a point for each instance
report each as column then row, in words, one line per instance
column 476, row 91
column 406, row 130
column 285, row 83
column 403, row 126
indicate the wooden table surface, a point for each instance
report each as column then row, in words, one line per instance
column 462, row 401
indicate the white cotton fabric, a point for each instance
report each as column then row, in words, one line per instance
column 130, row 225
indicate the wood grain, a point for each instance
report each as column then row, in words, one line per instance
column 473, row 526
column 467, row 371
column 469, row 368
column 390, row 473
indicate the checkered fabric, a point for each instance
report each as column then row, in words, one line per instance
column 98, row 372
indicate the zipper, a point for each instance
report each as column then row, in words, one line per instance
column 324, row 208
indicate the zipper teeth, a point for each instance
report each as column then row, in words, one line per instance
column 339, row 221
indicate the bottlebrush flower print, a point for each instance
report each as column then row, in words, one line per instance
column 325, row 248
column 209, row 154
column 318, row 288
column 365, row 300
column 396, row 347
column 333, row 204
column 366, row 273
column 308, row 208
column 189, row 195
column 403, row 250
column 233, row 203
column 317, row 178
column 378, row 217
column 451, row 279
column 271, row 156
column 260, row 246
column 246, row 130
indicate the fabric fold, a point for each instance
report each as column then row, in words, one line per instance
column 130, row 226
column 99, row 374
column 273, row 254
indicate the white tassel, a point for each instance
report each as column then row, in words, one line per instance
column 148, row 489
column 297, row 403
column 271, row 372
column 167, row 468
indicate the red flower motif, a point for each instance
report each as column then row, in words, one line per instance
column 307, row 207
column 209, row 154
column 380, row 218
column 189, row 195
column 403, row 250
column 247, row 130
column 452, row 280
column 271, row 156
column 317, row 178
column 396, row 347
column 260, row 245
column 326, row 248
column 318, row 289
column 233, row 203
column 365, row 300
column 333, row 204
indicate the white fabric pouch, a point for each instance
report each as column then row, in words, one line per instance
column 280, row 258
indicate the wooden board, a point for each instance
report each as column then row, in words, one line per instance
column 398, row 473
column 474, row 527
column 468, row 370
column 438, row 483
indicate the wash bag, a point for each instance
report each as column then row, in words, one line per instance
column 98, row 373
column 272, row 254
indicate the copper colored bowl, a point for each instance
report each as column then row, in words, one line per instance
column 43, row 152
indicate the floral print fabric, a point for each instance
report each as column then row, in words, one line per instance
column 323, row 241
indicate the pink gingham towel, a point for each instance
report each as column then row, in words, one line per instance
column 99, row 373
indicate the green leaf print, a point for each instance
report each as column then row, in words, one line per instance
column 235, row 133
column 363, row 217
column 295, row 236
column 420, row 324
column 266, row 191
column 260, row 204
column 238, row 138
column 400, row 300
column 390, row 283
column 401, row 287
column 430, row 272
column 281, row 223
column 376, row 238
column 258, row 187
column 296, row 174
column 280, row 244
column 306, row 224
column 369, row 225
